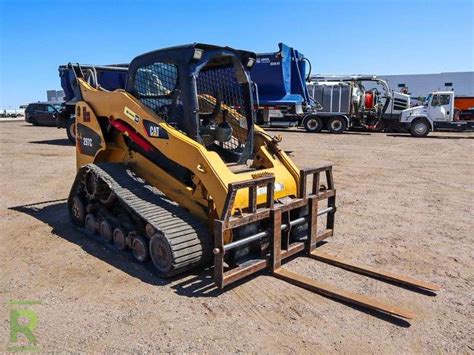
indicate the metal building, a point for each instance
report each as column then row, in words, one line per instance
column 419, row 85
column 55, row 95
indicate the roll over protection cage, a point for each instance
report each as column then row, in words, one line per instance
column 188, row 67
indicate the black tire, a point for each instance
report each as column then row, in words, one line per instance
column 313, row 124
column 161, row 255
column 420, row 127
column 71, row 129
column 337, row 125
column 33, row 121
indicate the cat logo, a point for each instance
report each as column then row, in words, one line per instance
column 130, row 114
column 154, row 131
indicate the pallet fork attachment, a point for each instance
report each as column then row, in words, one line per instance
column 282, row 248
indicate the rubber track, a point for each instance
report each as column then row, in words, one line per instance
column 189, row 239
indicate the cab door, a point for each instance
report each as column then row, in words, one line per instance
column 440, row 107
column 40, row 114
column 50, row 118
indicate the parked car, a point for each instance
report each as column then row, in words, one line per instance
column 42, row 113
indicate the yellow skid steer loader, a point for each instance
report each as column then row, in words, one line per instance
column 173, row 167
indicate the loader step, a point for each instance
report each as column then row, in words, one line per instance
column 188, row 238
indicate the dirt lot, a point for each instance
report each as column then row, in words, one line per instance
column 404, row 205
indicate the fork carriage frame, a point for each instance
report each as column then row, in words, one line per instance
column 277, row 232
column 280, row 247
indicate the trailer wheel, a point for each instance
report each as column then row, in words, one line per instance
column 337, row 125
column 71, row 129
column 420, row 128
column 312, row 123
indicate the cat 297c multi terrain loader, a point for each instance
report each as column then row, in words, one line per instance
column 172, row 167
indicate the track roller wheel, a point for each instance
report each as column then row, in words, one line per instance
column 140, row 249
column 78, row 211
column 161, row 255
column 119, row 238
column 106, row 231
column 90, row 224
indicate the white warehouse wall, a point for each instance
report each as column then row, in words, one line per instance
column 422, row 84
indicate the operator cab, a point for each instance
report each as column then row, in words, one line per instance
column 204, row 91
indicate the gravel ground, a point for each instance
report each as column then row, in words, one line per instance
column 404, row 205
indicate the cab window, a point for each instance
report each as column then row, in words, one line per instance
column 444, row 99
column 51, row 109
column 155, row 85
column 156, row 80
column 435, row 101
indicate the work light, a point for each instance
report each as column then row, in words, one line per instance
column 197, row 53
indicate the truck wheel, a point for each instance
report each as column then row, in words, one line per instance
column 337, row 125
column 312, row 123
column 420, row 128
column 71, row 129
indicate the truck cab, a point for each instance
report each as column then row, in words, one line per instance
column 437, row 113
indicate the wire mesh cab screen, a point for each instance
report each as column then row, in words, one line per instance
column 155, row 85
column 223, row 117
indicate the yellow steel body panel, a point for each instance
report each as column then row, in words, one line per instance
column 86, row 117
column 211, row 173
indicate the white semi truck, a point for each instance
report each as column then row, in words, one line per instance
column 353, row 101
column 436, row 114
